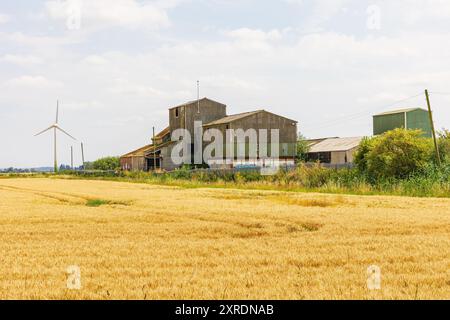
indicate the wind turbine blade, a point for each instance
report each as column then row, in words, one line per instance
column 43, row 131
column 57, row 111
column 65, row 133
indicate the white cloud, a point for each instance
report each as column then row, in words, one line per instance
column 22, row 60
column 321, row 12
column 125, row 87
column 35, row 82
column 106, row 13
column 95, row 60
column 308, row 77
column 4, row 18
column 82, row 105
column 40, row 42
column 413, row 11
column 246, row 34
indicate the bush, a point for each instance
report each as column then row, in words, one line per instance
column 108, row 163
column 302, row 148
column 395, row 154
column 444, row 145
column 364, row 148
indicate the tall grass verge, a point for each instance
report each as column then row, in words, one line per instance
column 429, row 182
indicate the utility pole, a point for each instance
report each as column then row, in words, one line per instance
column 154, row 150
column 436, row 146
column 82, row 154
column 71, row 157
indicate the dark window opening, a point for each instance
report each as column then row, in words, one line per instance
column 176, row 113
column 322, row 157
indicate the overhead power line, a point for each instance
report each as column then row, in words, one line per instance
column 440, row 93
column 357, row 115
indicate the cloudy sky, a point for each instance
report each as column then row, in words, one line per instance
column 118, row 65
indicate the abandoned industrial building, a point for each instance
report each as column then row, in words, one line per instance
column 213, row 115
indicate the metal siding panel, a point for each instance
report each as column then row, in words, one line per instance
column 384, row 123
column 419, row 119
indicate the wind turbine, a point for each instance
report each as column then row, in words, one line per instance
column 55, row 128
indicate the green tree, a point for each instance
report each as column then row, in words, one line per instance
column 107, row 163
column 302, row 148
column 395, row 154
column 444, row 145
column 364, row 148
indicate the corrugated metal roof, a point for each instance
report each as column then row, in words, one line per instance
column 152, row 150
column 399, row 111
column 229, row 119
column 336, row 144
column 138, row 152
column 195, row 101
column 232, row 118
column 312, row 142
column 163, row 133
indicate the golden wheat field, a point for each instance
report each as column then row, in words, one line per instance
column 138, row 241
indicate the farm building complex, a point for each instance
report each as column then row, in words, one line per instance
column 213, row 115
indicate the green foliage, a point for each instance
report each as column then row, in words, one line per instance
column 444, row 145
column 430, row 181
column 360, row 158
column 88, row 166
column 395, row 154
column 96, row 203
column 399, row 162
column 107, row 163
column 302, row 148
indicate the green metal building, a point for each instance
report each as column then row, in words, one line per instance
column 411, row 118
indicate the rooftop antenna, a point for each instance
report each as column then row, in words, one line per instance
column 198, row 96
column 55, row 128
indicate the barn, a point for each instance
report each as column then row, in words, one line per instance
column 409, row 118
column 135, row 160
column 333, row 151
column 142, row 159
column 259, row 119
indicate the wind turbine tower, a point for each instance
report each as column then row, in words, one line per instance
column 55, row 127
